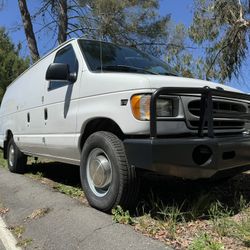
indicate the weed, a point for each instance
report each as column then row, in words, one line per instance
column 199, row 207
column 219, row 215
column 240, row 203
column 218, row 210
column 17, row 230
column 36, row 176
column 172, row 215
column 74, row 192
column 3, row 162
column 204, row 242
column 24, row 242
column 121, row 216
column 151, row 227
column 242, row 230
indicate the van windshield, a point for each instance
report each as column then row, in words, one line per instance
column 108, row 57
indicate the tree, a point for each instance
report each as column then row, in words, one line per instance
column 11, row 64
column 59, row 13
column 222, row 27
column 28, row 28
column 63, row 20
column 133, row 22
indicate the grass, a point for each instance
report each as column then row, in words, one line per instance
column 3, row 162
column 121, row 216
column 205, row 242
column 74, row 192
column 24, row 242
column 183, row 214
column 17, row 230
column 242, row 230
column 197, row 215
column 37, row 176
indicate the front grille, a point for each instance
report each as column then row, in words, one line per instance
column 220, row 106
column 227, row 114
column 222, row 124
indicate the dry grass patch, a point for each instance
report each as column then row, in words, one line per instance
column 38, row 213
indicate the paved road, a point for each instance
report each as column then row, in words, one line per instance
column 68, row 224
column 1, row 245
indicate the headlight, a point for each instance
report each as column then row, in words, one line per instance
column 164, row 107
column 140, row 105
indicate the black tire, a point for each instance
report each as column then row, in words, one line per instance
column 16, row 159
column 124, row 185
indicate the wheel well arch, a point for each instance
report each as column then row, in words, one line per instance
column 99, row 124
column 9, row 135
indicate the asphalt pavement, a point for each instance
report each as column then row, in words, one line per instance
column 68, row 224
column 1, row 245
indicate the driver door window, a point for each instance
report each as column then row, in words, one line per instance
column 67, row 56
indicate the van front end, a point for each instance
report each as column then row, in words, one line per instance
column 217, row 140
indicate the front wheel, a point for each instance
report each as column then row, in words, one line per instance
column 106, row 177
column 16, row 159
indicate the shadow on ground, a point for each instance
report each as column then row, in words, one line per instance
column 58, row 172
column 157, row 193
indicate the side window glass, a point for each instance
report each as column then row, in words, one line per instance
column 67, row 56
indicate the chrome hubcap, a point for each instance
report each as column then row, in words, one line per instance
column 99, row 172
column 11, row 155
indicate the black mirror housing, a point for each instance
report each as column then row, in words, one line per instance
column 58, row 72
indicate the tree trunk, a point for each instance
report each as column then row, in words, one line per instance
column 63, row 21
column 28, row 28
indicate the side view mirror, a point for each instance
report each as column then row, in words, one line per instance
column 60, row 72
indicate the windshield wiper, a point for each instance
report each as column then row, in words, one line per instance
column 170, row 74
column 126, row 68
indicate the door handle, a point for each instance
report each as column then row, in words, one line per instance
column 45, row 114
column 28, row 117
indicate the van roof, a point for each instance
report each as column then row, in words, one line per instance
column 56, row 48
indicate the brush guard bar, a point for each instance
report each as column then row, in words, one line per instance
column 206, row 110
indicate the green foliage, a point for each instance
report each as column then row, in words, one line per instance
column 242, row 230
column 222, row 27
column 219, row 215
column 121, row 216
column 218, row 210
column 204, row 242
column 199, row 207
column 3, row 162
column 74, row 192
column 132, row 22
column 11, row 64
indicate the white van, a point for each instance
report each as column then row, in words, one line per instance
column 117, row 112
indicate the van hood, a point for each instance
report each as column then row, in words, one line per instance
column 100, row 83
column 173, row 81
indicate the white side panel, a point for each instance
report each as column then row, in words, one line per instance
column 60, row 127
column 98, row 100
column 25, row 96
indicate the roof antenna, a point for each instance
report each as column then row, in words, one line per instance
column 100, row 34
column 100, row 37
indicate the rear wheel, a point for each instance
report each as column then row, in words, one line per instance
column 107, row 179
column 16, row 159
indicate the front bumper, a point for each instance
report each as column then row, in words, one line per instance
column 176, row 157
